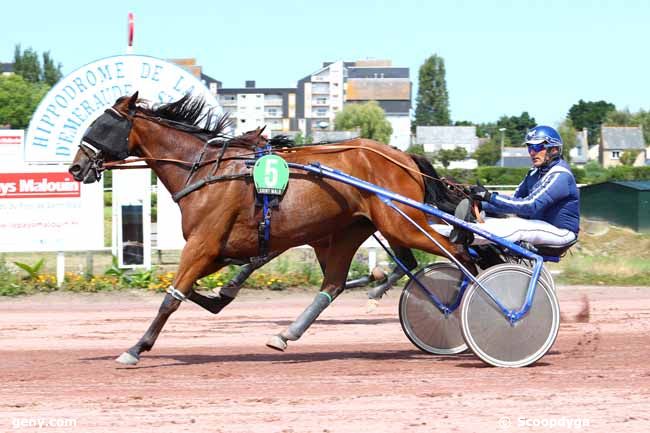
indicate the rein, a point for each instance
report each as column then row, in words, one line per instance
column 457, row 187
column 194, row 166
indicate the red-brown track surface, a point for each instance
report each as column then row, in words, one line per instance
column 351, row 372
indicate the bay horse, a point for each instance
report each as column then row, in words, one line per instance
column 220, row 221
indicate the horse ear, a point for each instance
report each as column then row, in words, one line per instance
column 132, row 100
column 260, row 130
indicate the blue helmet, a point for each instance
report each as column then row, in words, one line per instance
column 544, row 134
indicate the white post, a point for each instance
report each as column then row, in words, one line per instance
column 372, row 258
column 502, row 134
column 60, row 268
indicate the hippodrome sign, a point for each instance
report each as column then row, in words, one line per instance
column 68, row 109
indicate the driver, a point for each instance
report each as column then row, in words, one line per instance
column 547, row 202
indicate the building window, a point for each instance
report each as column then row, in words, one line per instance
column 321, row 112
column 616, row 154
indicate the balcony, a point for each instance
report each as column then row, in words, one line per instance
column 320, row 114
column 227, row 102
column 272, row 100
column 320, row 89
column 319, row 102
column 320, row 78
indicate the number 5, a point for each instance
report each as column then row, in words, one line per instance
column 271, row 173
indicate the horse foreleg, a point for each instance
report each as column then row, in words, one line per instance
column 193, row 265
column 336, row 264
column 132, row 356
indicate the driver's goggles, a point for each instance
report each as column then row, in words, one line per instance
column 536, row 147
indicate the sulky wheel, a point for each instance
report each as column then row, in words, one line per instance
column 491, row 336
column 423, row 323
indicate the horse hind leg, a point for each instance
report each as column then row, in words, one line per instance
column 336, row 264
column 407, row 258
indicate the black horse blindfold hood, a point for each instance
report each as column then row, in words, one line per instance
column 110, row 134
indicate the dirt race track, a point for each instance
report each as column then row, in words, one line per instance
column 351, row 372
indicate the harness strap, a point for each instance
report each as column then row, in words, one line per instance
column 206, row 181
column 264, row 227
column 197, row 163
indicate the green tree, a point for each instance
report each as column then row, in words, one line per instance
column 432, row 102
column 299, row 139
column 51, row 73
column 569, row 137
column 619, row 118
column 628, row 157
column 18, row 100
column 445, row 156
column 26, row 64
column 369, row 118
column 488, row 153
column 590, row 115
column 416, row 149
column 516, row 128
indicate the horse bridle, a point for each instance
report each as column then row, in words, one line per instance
column 99, row 140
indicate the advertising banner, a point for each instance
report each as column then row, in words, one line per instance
column 11, row 146
column 45, row 209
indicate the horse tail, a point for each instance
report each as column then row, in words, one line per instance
column 435, row 192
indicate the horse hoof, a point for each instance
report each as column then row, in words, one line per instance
column 277, row 342
column 378, row 274
column 372, row 305
column 127, row 359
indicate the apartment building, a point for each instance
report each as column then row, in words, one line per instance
column 312, row 106
column 322, row 94
column 251, row 107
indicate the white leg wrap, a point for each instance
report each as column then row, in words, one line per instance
column 176, row 294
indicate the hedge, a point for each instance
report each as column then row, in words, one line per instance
column 513, row 176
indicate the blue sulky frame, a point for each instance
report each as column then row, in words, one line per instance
column 389, row 197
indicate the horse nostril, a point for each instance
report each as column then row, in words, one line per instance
column 75, row 169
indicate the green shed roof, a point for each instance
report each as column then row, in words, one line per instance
column 639, row 185
column 642, row 185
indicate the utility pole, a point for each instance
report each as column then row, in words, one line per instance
column 502, row 130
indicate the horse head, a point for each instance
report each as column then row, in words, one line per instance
column 106, row 139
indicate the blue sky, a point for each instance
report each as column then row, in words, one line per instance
column 502, row 57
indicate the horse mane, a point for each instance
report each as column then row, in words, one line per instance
column 189, row 114
column 436, row 192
